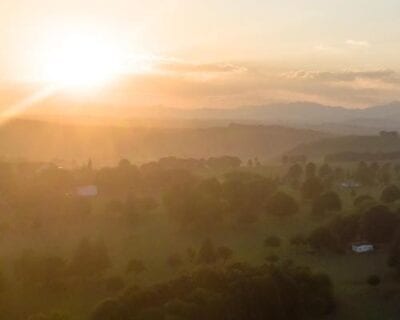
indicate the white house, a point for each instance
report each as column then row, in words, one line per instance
column 87, row 191
column 350, row 184
column 362, row 247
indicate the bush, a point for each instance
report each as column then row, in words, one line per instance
column 135, row 266
column 374, row 280
column 390, row 194
column 114, row 284
column 272, row 258
column 298, row 240
column 207, row 253
column 266, row 292
column 272, row 241
column 326, row 202
column 363, row 200
column 281, row 204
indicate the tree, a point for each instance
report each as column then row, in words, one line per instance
column 191, row 254
column 207, row 253
column 114, row 284
column 272, row 258
column 325, row 171
column 311, row 170
column 44, row 271
column 272, row 241
column 294, row 174
column 374, row 280
column 245, row 195
column 385, row 174
column 240, row 292
column 326, row 202
column 196, row 206
column 364, row 174
column 323, row 238
column 90, row 259
column 137, row 208
column 224, row 253
column 281, row 205
column 108, row 310
column 311, row 188
column 52, row 316
column 224, row 163
column 339, row 174
column 390, row 194
column 174, row 261
column 378, row 224
column 135, row 266
column 298, row 240
column 394, row 254
column 362, row 200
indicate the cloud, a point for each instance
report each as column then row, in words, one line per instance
column 322, row 48
column 384, row 75
column 184, row 67
column 189, row 84
column 358, row 43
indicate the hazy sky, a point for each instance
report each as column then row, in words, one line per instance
column 224, row 53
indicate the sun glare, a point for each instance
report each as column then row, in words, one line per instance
column 79, row 60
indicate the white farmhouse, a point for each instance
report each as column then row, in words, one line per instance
column 350, row 184
column 87, row 191
column 362, row 247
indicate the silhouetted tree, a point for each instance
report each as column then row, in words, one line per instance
column 239, row 292
column 326, row 202
column 191, row 254
column 311, row 188
column 272, row 258
column 323, row 238
column 363, row 200
column 207, row 253
column 40, row 271
column 272, row 241
column 374, row 280
column 281, row 205
column 311, row 170
column 114, row 284
column 174, row 261
column 294, row 174
column 298, row 240
column 90, row 259
column 385, row 174
column 378, row 224
column 325, row 171
column 224, row 253
column 390, row 194
column 135, row 266
column 364, row 174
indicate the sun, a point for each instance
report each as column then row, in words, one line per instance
column 79, row 59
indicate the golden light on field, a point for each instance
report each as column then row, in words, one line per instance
column 79, row 59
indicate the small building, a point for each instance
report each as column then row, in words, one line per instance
column 350, row 184
column 87, row 191
column 362, row 247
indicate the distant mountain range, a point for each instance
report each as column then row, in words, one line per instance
column 335, row 119
column 304, row 114
column 75, row 133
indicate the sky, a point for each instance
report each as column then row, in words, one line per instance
column 218, row 53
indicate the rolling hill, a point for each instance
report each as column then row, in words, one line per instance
column 44, row 141
column 352, row 146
